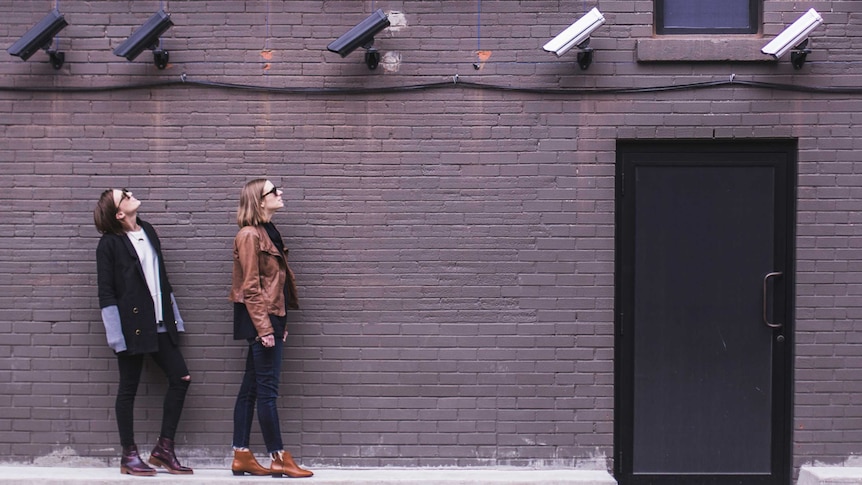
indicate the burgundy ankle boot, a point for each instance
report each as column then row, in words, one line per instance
column 163, row 456
column 131, row 463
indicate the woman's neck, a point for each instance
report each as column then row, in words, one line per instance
column 130, row 223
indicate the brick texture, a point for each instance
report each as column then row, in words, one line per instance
column 454, row 246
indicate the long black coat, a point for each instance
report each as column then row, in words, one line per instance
column 122, row 283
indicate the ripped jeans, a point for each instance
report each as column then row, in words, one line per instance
column 171, row 361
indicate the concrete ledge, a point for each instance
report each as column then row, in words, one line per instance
column 698, row 49
column 829, row 475
column 336, row 476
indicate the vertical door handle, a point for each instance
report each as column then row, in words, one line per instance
column 766, row 299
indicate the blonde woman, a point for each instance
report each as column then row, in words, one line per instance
column 262, row 288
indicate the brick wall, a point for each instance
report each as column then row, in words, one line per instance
column 453, row 246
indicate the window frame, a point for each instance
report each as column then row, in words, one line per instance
column 754, row 9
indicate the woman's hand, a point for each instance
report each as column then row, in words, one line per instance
column 267, row 340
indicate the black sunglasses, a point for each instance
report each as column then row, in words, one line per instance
column 125, row 195
column 274, row 190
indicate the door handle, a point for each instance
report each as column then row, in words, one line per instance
column 765, row 299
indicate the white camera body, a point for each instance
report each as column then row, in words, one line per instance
column 793, row 35
column 576, row 33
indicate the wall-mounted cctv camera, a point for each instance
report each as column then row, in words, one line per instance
column 794, row 37
column 575, row 34
column 147, row 37
column 41, row 36
column 362, row 35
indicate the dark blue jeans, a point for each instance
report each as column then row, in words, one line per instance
column 260, row 385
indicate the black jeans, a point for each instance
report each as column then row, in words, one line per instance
column 171, row 361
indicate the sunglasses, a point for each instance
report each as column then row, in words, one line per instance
column 274, row 190
column 125, row 195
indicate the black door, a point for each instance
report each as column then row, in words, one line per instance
column 704, row 280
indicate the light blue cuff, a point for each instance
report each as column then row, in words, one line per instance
column 180, row 323
column 113, row 328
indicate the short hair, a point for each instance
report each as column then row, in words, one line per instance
column 250, row 213
column 105, row 214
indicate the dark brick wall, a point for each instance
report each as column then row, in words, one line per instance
column 454, row 246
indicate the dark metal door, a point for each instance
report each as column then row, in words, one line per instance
column 704, row 279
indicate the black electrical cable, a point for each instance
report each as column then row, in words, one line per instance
column 455, row 83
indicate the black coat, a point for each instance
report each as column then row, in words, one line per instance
column 122, row 283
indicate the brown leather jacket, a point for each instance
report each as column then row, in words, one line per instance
column 259, row 276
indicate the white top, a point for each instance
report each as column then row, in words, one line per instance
column 150, row 264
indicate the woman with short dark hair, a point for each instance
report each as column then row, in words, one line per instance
column 141, row 318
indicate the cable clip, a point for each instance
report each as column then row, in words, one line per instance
column 732, row 76
column 455, row 79
column 183, row 77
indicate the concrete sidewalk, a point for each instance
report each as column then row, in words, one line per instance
column 829, row 475
column 33, row 475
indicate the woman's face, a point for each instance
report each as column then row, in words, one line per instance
column 271, row 200
column 125, row 201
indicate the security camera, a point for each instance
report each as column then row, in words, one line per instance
column 575, row 34
column 362, row 35
column 147, row 37
column 41, row 36
column 793, row 36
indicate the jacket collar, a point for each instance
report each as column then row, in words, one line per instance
column 266, row 243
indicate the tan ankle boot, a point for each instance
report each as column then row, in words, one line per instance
column 283, row 464
column 245, row 462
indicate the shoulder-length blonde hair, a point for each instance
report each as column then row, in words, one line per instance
column 250, row 212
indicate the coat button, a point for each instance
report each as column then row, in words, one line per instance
column 135, row 310
column 138, row 331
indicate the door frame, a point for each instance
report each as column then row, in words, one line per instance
column 782, row 412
